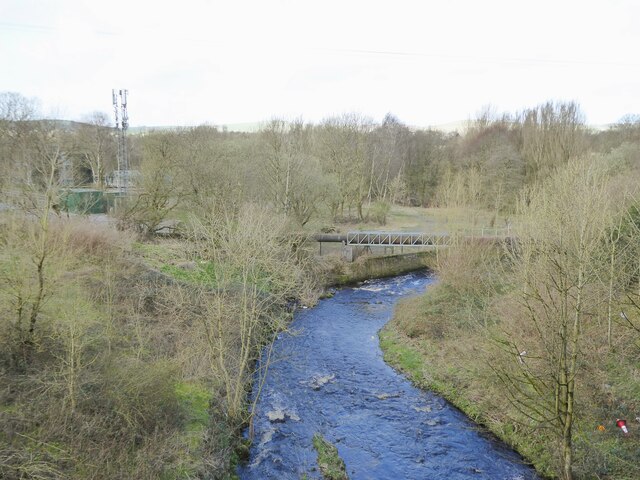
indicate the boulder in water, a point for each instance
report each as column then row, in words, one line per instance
column 320, row 381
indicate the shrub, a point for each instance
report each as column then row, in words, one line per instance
column 379, row 211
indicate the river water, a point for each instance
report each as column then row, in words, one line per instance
column 327, row 375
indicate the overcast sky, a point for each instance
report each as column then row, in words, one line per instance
column 223, row 62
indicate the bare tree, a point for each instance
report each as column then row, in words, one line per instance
column 344, row 151
column 30, row 246
column 551, row 134
column 94, row 144
column 427, row 153
column 256, row 270
column 16, row 124
column 219, row 170
column 163, row 186
column 293, row 175
column 560, row 258
column 395, row 150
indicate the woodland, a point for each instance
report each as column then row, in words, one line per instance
column 129, row 353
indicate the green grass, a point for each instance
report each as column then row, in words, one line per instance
column 194, row 404
column 201, row 274
column 160, row 253
column 406, row 358
column 331, row 465
column 194, row 400
column 171, row 258
column 401, row 357
column 403, row 354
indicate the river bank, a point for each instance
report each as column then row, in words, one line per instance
column 167, row 265
column 447, row 341
column 369, row 267
column 408, row 356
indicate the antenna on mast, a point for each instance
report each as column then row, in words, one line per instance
column 122, row 124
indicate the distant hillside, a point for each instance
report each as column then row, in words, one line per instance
column 459, row 126
column 250, row 127
column 232, row 127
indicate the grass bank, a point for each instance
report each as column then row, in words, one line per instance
column 110, row 390
column 410, row 357
column 446, row 341
column 119, row 376
column 331, row 465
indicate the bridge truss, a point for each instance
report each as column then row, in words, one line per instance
column 392, row 239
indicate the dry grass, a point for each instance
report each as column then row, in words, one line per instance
column 95, row 239
column 444, row 221
column 99, row 398
column 443, row 341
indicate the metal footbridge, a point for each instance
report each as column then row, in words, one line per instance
column 386, row 239
column 355, row 243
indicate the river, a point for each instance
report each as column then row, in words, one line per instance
column 327, row 375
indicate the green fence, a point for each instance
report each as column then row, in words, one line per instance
column 84, row 201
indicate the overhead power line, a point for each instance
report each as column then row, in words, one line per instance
column 361, row 51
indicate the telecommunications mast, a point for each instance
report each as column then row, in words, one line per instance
column 122, row 123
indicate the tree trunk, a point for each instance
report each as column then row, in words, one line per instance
column 567, row 456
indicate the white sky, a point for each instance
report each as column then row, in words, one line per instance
column 429, row 62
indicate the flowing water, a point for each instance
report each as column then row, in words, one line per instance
column 328, row 376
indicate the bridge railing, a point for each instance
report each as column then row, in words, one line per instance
column 396, row 239
column 409, row 239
